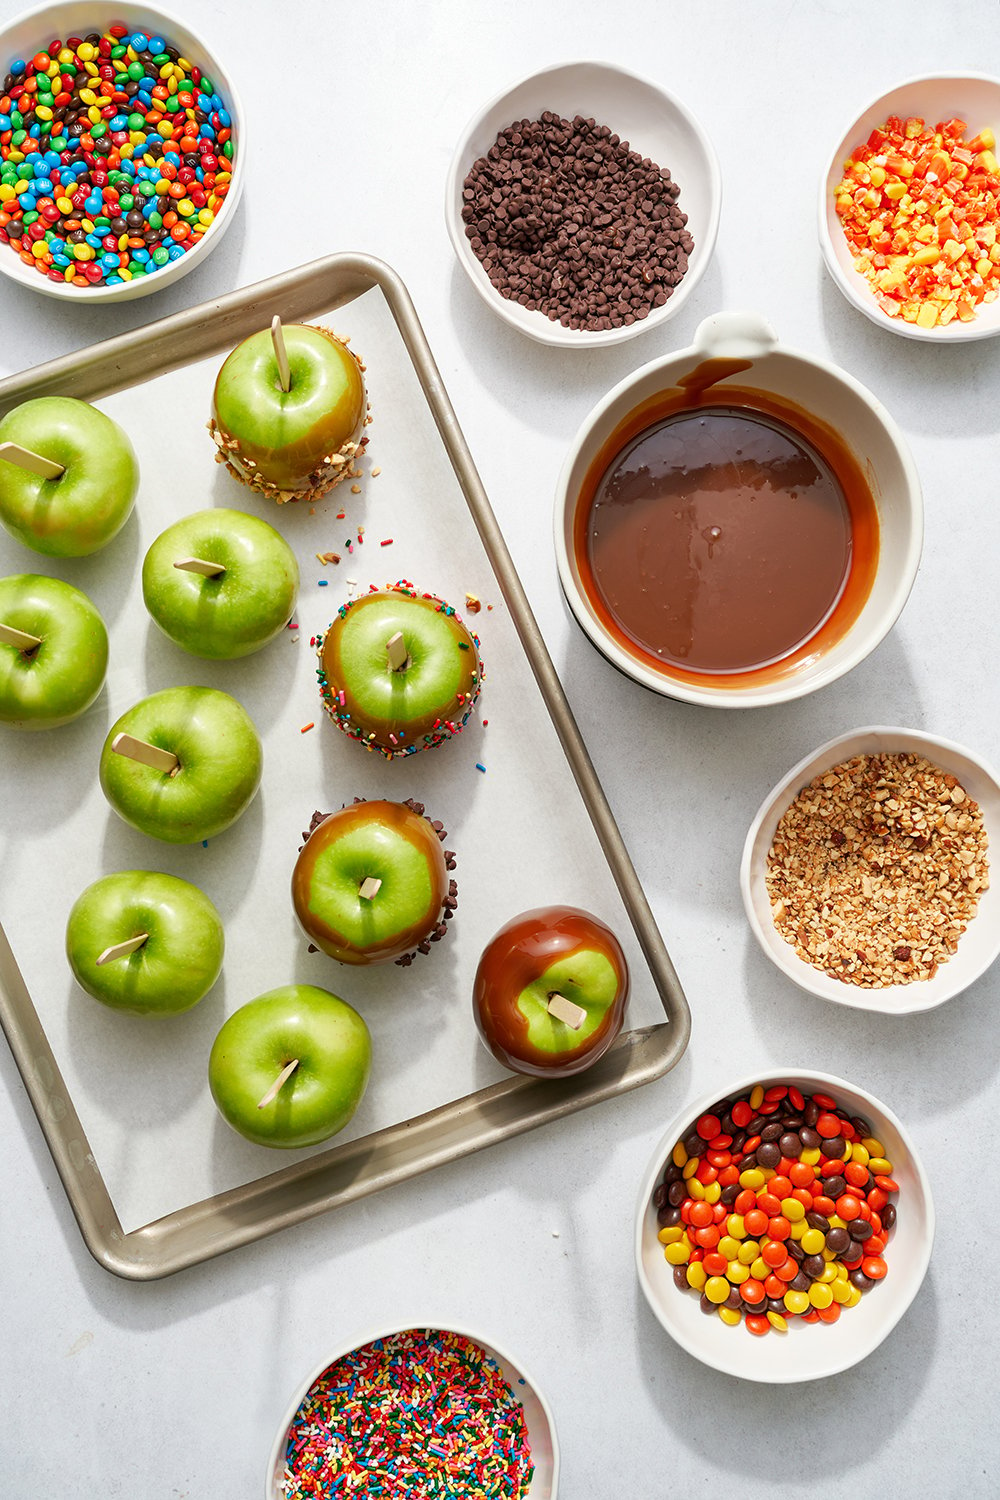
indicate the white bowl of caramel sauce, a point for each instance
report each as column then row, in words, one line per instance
column 740, row 523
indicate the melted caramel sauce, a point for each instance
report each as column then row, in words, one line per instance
column 725, row 536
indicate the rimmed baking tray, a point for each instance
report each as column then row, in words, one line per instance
column 338, row 1175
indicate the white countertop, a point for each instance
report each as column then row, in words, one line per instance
column 175, row 1388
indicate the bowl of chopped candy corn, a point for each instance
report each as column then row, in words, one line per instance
column 909, row 209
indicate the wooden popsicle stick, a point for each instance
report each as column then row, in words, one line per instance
column 278, row 1083
column 148, row 755
column 281, row 354
column 200, row 565
column 369, row 887
column 35, row 463
column 566, row 1010
column 396, row 648
column 119, row 950
column 11, row 636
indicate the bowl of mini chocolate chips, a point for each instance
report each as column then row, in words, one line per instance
column 583, row 204
column 784, row 1226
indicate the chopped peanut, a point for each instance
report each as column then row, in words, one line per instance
column 920, row 209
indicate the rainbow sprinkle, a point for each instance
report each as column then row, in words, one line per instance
column 424, row 1414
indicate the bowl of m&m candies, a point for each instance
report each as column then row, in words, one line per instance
column 121, row 151
column 784, row 1226
column 416, row 1411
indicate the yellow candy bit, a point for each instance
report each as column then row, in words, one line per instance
column 717, row 1289
column 872, row 1146
column 748, row 1253
column 86, row 51
column 753, row 1177
column 813, row 1241
column 811, row 1156
column 729, row 1247
column 713, row 1192
column 678, row 1254
column 737, row 1273
column 695, row 1188
column 777, row 1322
column 819, row 1295
column 670, row 1234
column 690, row 1168
column 759, row 1269
column 841, row 1291
column 796, row 1302
column 696, row 1275
column 793, row 1210
column 853, row 1298
column 736, row 1226
column 731, row 1316
column 880, row 1165
column 206, row 217
column 859, row 1154
column 757, row 1097
column 827, row 1276
column 678, row 1155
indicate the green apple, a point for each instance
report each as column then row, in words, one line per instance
column 176, row 965
column 217, row 770
column 371, row 883
column 550, row 992
column 46, row 685
column 227, row 614
column 81, row 510
column 398, row 671
column 328, row 1043
column 289, row 442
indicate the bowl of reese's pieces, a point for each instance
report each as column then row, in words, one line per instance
column 784, row 1226
column 583, row 204
column 866, row 873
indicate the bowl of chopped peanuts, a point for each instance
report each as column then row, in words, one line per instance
column 909, row 209
column 866, row 873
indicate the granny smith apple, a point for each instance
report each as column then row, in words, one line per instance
column 216, row 770
column 303, row 440
column 231, row 612
column 44, row 685
column 180, row 955
column 81, row 510
column 399, row 671
column 325, row 1039
column 371, row 883
column 550, row 991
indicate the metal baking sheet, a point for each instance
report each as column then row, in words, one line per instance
column 156, row 1180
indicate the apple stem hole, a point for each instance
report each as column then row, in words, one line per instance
column 566, row 1010
column 122, row 950
column 369, row 888
column 281, row 354
column 279, row 1083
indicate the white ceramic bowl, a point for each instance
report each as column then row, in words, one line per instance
column 653, row 121
column 807, row 1351
column 32, row 31
column 972, row 97
column 537, row 1413
column 980, row 943
column 828, row 394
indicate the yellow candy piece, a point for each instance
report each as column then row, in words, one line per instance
column 872, row 1146
column 737, row 1273
column 670, row 1234
column 696, row 1275
column 753, row 1178
column 730, row 1315
column 677, row 1254
column 713, row 1191
column 841, row 1291
column 811, row 1155
column 793, row 1210
column 777, row 1322
column 819, row 1295
column 796, row 1302
column 853, row 1299
column 690, row 1168
column 757, row 1097
column 678, row 1155
column 728, row 1247
column 717, row 1289
column 879, row 1164
column 813, row 1241
column 748, row 1252
column 759, row 1269
column 736, row 1226
column 695, row 1188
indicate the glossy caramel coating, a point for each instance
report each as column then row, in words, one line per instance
column 518, row 955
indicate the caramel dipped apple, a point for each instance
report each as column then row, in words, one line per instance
column 289, row 412
column 399, row 671
column 372, row 882
column 550, row 992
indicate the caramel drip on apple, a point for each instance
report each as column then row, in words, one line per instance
column 202, row 566
column 397, row 653
column 279, row 1083
column 146, row 754
column 11, row 636
column 281, row 354
column 120, row 950
column 566, row 1010
column 369, row 888
column 33, row 463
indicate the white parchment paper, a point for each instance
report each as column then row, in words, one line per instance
column 519, row 829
